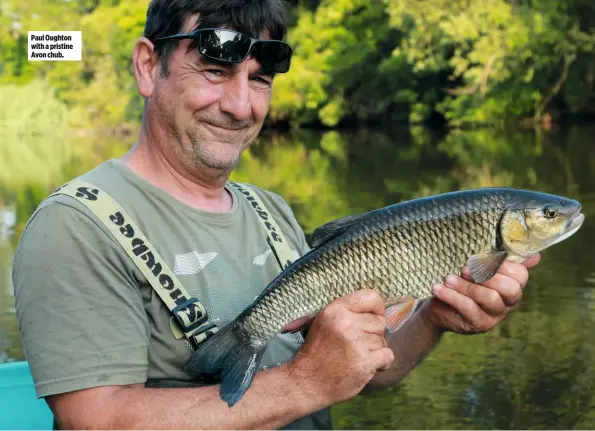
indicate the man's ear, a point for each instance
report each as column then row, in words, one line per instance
column 145, row 66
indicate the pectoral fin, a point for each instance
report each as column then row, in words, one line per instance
column 484, row 266
column 396, row 315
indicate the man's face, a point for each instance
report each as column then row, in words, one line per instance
column 213, row 110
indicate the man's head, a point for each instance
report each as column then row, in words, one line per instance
column 209, row 110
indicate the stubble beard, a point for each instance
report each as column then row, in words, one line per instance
column 205, row 157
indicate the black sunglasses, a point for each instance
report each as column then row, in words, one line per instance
column 232, row 47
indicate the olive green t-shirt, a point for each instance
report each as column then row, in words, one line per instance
column 88, row 317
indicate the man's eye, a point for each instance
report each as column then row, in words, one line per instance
column 216, row 72
column 262, row 81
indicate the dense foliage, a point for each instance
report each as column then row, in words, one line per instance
column 467, row 62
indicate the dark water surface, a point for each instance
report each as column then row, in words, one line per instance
column 535, row 370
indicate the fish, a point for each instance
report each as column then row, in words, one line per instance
column 399, row 251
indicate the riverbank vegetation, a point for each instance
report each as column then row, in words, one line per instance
column 462, row 63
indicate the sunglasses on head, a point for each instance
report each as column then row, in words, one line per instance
column 230, row 46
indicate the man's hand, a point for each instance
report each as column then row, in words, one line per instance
column 344, row 350
column 459, row 306
column 464, row 307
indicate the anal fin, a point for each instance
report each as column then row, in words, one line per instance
column 396, row 315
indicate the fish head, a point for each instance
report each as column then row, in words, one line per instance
column 536, row 221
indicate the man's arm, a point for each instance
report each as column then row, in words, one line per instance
column 271, row 402
column 344, row 350
column 460, row 306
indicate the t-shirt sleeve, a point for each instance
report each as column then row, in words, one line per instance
column 81, row 315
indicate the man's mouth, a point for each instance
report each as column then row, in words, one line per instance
column 225, row 128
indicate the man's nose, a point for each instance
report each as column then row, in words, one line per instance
column 235, row 99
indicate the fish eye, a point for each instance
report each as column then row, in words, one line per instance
column 550, row 212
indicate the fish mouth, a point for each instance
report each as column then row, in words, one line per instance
column 573, row 224
column 575, row 221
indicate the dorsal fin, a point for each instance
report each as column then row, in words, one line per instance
column 333, row 229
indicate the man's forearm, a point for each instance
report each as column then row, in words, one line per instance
column 272, row 401
column 410, row 344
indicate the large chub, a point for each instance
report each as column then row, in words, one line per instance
column 233, row 357
column 400, row 251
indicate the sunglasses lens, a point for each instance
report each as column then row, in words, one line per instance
column 227, row 45
column 274, row 56
column 224, row 45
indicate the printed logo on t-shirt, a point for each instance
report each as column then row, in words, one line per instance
column 192, row 263
column 262, row 258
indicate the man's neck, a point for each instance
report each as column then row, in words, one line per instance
column 206, row 193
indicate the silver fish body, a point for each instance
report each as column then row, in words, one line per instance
column 399, row 251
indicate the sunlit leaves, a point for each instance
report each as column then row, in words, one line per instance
column 504, row 58
column 34, row 135
column 338, row 49
column 478, row 62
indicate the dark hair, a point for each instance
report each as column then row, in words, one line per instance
column 252, row 17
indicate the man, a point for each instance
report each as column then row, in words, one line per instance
column 97, row 336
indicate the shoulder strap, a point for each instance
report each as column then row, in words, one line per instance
column 275, row 237
column 189, row 312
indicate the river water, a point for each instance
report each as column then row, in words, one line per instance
column 535, row 370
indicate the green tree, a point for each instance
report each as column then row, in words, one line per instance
column 34, row 135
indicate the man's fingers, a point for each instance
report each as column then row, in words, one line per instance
column 382, row 359
column 462, row 304
column 374, row 342
column 371, row 323
column 516, row 271
column 489, row 299
column 363, row 301
column 509, row 289
column 465, row 306
column 532, row 261
column 494, row 295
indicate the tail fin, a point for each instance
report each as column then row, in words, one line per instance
column 237, row 361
